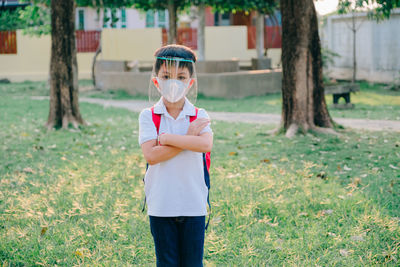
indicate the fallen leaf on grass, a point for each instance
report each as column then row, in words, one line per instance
column 357, row 238
column 346, row 168
column 397, row 219
column 357, row 181
column 239, row 135
column 232, row 175
column 78, row 253
column 322, row 175
column 327, row 212
column 216, row 220
column 394, row 167
column 265, row 160
column 43, row 231
column 344, row 252
column 28, row 170
column 273, row 224
column 278, row 244
column 323, row 213
column 37, row 147
column 233, row 153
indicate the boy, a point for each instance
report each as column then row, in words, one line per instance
column 174, row 137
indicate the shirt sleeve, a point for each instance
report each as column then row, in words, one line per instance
column 203, row 114
column 147, row 129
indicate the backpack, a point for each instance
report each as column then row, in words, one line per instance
column 206, row 158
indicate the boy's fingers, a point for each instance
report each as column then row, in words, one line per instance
column 201, row 121
column 204, row 124
column 201, row 124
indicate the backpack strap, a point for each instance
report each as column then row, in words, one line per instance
column 156, row 119
column 206, row 164
column 192, row 118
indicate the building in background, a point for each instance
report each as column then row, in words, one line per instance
column 88, row 18
column 11, row 5
column 377, row 47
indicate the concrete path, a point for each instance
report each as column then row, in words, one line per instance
column 274, row 119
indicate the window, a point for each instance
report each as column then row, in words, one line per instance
column 106, row 18
column 123, row 18
column 81, row 19
column 149, row 19
column 161, row 18
column 114, row 18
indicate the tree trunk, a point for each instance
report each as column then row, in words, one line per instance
column 98, row 50
column 303, row 100
column 260, row 35
column 172, row 36
column 94, row 62
column 201, row 32
column 354, row 30
column 64, row 106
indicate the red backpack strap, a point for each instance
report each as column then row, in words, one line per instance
column 156, row 119
column 208, row 160
column 207, row 156
column 192, row 118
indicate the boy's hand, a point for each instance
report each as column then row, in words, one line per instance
column 197, row 126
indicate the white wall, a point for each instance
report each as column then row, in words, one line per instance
column 32, row 60
column 135, row 19
column 377, row 47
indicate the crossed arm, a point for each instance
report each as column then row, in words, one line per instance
column 173, row 144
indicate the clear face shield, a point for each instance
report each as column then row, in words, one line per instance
column 173, row 79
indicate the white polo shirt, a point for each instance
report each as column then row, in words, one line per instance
column 175, row 187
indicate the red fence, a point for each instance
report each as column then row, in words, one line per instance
column 186, row 36
column 272, row 37
column 87, row 41
column 8, row 42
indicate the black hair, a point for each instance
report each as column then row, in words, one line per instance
column 177, row 51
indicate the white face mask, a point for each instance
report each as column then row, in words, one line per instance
column 173, row 90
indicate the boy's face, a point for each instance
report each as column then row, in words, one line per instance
column 169, row 71
column 173, row 80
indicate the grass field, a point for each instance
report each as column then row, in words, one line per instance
column 372, row 102
column 74, row 197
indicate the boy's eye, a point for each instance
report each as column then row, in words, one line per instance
column 165, row 77
column 182, row 78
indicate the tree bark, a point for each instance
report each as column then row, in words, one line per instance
column 260, row 35
column 201, row 32
column 98, row 50
column 64, row 106
column 303, row 100
column 172, row 33
column 94, row 62
column 354, row 30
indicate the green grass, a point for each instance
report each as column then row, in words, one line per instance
column 372, row 102
column 71, row 198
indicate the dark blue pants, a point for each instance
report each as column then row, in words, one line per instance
column 179, row 241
